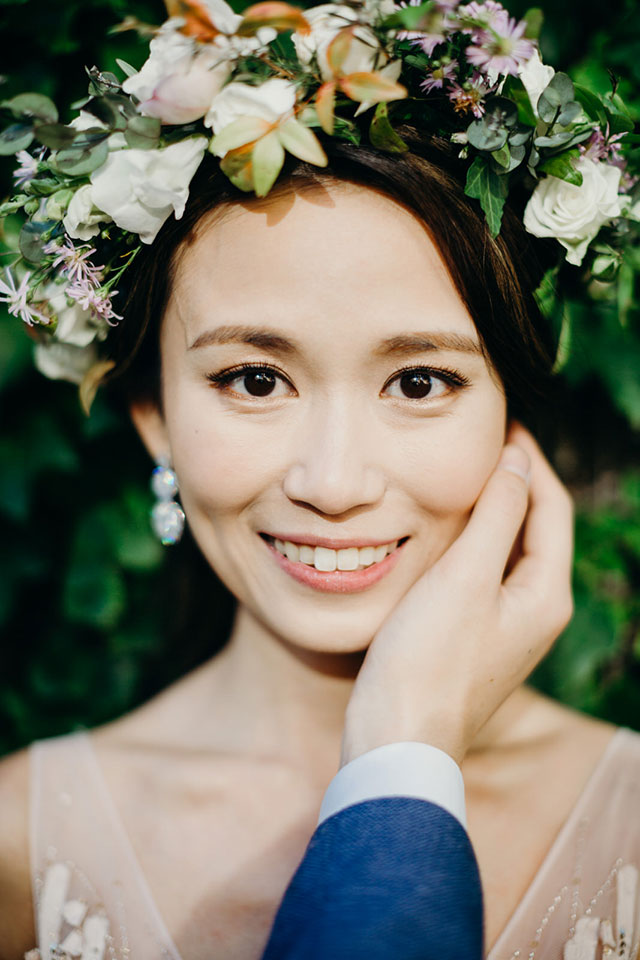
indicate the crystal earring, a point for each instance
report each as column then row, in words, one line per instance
column 167, row 516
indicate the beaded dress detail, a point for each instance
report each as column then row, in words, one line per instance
column 92, row 901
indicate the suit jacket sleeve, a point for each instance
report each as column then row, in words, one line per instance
column 390, row 878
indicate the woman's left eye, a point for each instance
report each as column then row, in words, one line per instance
column 418, row 383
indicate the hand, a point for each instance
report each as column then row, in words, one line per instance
column 475, row 625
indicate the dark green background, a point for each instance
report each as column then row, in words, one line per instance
column 95, row 616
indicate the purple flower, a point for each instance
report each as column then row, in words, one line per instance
column 478, row 18
column 16, row 300
column 27, row 169
column 502, row 47
column 94, row 299
column 469, row 97
column 75, row 261
column 603, row 146
column 438, row 75
column 437, row 27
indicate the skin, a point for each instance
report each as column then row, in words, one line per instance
column 309, row 680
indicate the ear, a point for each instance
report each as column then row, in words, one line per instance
column 149, row 422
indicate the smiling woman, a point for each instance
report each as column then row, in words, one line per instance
column 336, row 374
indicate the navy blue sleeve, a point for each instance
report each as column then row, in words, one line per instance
column 394, row 878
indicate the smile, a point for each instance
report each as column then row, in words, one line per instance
column 340, row 571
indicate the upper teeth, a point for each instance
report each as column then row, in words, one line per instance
column 326, row 560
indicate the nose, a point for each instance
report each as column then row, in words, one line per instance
column 334, row 468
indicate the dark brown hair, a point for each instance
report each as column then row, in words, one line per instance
column 495, row 277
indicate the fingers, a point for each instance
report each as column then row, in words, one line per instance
column 482, row 550
column 545, row 564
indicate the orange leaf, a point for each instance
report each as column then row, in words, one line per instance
column 339, row 48
column 325, row 103
column 371, row 87
column 198, row 21
column 238, row 167
column 273, row 13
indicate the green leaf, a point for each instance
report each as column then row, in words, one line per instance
column 16, row 137
column 237, row 134
column 55, row 135
column 267, row 158
column 41, row 187
column 592, row 104
column 502, row 157
column 33, row 105
column 143, row 133
column 33, row 237
column 558, row 92
column 490, row 189
column 514, row 89
column 561, row 166
column 381, row 133
column 569, row 112
column 302, row 142
column 78, row 162
column 534, row 18
column 409, row 18
column 126, row 68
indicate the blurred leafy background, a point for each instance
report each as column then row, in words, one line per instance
column 96, row 617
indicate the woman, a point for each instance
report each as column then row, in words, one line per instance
column 341, row 360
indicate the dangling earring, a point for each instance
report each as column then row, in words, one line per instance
column 167, row 516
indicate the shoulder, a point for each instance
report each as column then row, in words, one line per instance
column 17, row 932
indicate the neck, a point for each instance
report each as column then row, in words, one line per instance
column 274, row 699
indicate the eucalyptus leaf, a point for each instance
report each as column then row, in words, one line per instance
column 555, row 140
column 33, row 105
column 78, row 162
column 502, row 156
column 126, row 68
column 570, row 112
column 490, row 189
column 142, row 133
column 16, row 137
column 55, row 135
column 519, row 137
column 106, row 109
column 558, row 92
column 381, row 133
column 483, row 137
column 33, row 237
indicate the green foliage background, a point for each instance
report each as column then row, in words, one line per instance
column 95, row 616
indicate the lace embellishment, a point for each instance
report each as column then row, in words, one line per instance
column 67, row 928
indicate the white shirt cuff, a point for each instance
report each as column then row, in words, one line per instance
column 407, row 769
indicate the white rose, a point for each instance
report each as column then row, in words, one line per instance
column 82, row 219
column 571, row 214
column 536, row 76
column 139, row 189
column 62, row 361
column 271, row 101
column 178, row 81
column 326, row 20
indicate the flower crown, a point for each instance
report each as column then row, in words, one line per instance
column 248, row 89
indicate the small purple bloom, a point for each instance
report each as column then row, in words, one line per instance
column 90, row 298
column 16, row 300
column 438, row 76
column 27, row 169
column 502, row 48
column 75, row 261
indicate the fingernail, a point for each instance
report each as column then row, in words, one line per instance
column 517, row 460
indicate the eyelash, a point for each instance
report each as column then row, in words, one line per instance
column 221, row 381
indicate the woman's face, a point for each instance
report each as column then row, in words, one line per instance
column 330, row 439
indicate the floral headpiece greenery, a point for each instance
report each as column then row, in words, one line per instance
column 246, row 90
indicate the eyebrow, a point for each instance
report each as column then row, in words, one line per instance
column 405, row 343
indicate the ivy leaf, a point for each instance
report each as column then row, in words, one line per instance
column 561, row 166
column 381, row 133
column 16, row 137
column 490, row 189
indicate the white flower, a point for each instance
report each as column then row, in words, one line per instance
column 179, row 80
column 536, row 76
column 572, row 214
column 75, row 326
column 272, row 101
column 62, row 361
column 326, row 20
column 139, row 189
column 82, row 220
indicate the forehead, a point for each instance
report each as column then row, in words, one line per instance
column 338, row 261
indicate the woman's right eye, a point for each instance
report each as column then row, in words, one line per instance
column 259, row 380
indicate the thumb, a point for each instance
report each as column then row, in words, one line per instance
column 485, row 544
